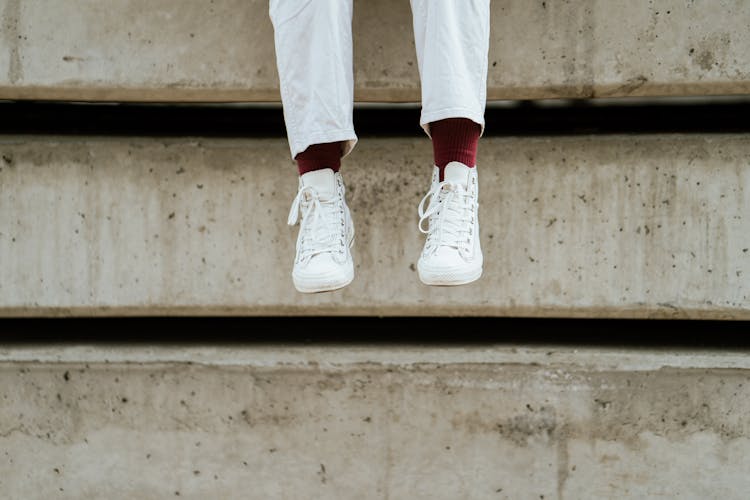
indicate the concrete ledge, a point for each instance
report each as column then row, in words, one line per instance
column 190, row 50
column 591, row 226
column 334, row 356
column 333, row 422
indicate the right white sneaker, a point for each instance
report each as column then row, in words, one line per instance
column 323, row 260
column 452, row 254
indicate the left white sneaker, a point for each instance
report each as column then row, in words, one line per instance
column 323, row 261
column 452, row 254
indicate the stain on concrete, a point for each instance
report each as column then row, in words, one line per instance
column 705, row 59
column 627, row 88
column 563, row 461
column 712, row 53
column 322, row 474
column 10, row 20
column 534, row 423
column 623, row 405
column 575, row 51
column 664, row 401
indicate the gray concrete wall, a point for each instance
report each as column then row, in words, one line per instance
column 372, row 422
column 192, row 50
column 594, row 226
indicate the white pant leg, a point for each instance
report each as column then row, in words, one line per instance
column 313, row 40
column 452, row 39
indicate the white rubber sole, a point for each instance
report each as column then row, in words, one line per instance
column 319, row 287
column 449, row 278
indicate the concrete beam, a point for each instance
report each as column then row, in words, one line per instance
column 372, row 422
column 578, row 226
column 190, row 50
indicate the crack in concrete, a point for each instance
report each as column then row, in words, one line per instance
column 563, row 459
column 12, row 430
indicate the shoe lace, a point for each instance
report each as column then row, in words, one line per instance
column 322, row 224
column 450, row 214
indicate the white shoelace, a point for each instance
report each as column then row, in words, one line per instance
column 452, row 205
column 322, row 228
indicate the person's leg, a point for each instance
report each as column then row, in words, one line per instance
column 452, row 42
column 313, row 41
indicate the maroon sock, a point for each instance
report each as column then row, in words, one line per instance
column 455, row 139
column 317, row 156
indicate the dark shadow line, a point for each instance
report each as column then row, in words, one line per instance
column 664, row 333
column 522, row 118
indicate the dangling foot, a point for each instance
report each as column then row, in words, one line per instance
column 452, row 254
column 323, row 261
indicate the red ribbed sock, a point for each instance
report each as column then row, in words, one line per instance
column 317, row 156
column 455, row 139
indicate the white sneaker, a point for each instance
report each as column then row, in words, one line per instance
column 452, row 254
column 323, row 261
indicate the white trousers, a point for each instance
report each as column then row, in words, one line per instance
column 313, row 40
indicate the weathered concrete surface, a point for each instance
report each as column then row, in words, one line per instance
column 602, row 226
column 192, row 50
column 372, row 422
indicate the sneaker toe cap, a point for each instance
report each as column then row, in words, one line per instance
column 447, row 266
column 323, row 272
column 446, row 259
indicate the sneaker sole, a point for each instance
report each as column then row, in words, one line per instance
column 329, row 287
column 450, row 279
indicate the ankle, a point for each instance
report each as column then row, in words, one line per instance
column 319, row 156
column 454, row 139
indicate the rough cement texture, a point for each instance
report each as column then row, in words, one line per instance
column 192, row 50
column 533, row 423
column 600, row 226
